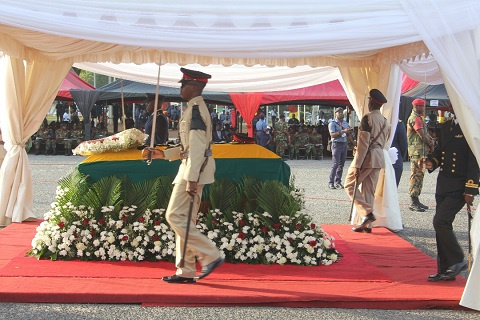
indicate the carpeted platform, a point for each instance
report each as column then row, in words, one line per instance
column 379, row 270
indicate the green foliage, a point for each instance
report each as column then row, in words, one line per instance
column 248, row 187
column 100, row 79
column 105, row 192
column 164, row 190
column 275, row 198
column 225, row 195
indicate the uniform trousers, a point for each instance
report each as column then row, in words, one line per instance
column 198, row 244
column 416, row 177
column 365, row 195
column 449, row 251
column 339, row 154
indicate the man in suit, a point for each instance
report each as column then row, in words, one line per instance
column 400, row 142
column 457, row 184
column 161, row 126
column 373, row 132
column 196, row 169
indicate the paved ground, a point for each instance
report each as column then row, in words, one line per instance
column 325, row 205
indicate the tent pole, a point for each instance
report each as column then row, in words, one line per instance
column 123, row 106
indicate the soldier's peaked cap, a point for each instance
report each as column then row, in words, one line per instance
column 377, row 96
column 193, row 75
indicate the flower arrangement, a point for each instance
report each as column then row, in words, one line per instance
column 123, row 140
column 103, row 222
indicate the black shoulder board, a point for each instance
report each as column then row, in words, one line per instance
column 364, row 126
column 197, row 121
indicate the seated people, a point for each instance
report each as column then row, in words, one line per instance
column 299, row 140
column 314, row 146
column 161, row 126
column 218, row 135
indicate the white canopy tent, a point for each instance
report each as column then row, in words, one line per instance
column 365, row 39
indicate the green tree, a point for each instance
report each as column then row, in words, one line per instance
column 101, row 80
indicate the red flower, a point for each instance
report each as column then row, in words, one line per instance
column 290, row 240
column 276, row 226
column 157, row 222
column 241, row 223
column 298, row 226
column 61, row 224
column 85, row 222
column 241, row 236
column 75, row 235
column 215, row 222
column 264, row 229
column 313, row 243
column 92, row 233
column 125, row 218
column 101, row 221
column 313, row 226
column 125, row 238
column 155, row 238
column 141, row 219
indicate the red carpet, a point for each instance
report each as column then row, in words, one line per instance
column 396, row 278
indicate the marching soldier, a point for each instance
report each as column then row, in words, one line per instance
column 457, row 184
column 368, row 160
column 197, row 169
column 282, row 137
column 419, row 144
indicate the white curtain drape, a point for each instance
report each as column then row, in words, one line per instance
column 357, row 83
column 457, row 52
column 27, row 90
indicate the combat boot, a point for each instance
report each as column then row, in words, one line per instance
column 421, row 205
column 415, row 205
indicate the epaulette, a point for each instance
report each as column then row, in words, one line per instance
column 364, row 125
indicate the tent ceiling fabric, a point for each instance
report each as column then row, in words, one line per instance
column 235, row 78
column 216, row 32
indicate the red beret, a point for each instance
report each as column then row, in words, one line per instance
column 418, row 102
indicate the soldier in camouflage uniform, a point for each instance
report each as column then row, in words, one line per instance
column 41, row 136
column 419, row 145
column 314, row 146
column 61, row 136
column 299, row 140
column 282, row 137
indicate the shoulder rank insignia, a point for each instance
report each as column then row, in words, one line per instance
column 458, row 136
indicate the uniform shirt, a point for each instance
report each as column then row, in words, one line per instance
column 261, row 125
column 195, row 133
column 458, row 166
column 337, row 126
column 416, row 146
column 370, row 155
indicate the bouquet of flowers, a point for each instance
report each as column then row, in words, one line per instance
column 124, row 140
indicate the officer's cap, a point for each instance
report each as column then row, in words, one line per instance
column 377, row 96
column 193, row 75
column 151, row 97
column 418, row 102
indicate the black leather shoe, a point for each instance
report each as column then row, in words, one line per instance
column 416, row 207
column 455, row 269
column 421, row 205
column 206, row 270
column 366, row 225
column 440, row 277
column 177, row 279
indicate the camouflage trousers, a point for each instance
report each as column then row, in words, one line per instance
column 416, row 177
column 293, row 150
column 280, row 146
column 49, row 146
column 313, row 149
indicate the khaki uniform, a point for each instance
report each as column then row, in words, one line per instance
column 195, row 142
column 369, row 158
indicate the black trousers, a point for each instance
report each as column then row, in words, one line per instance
column 449, row 251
